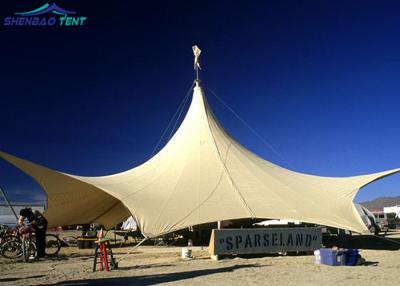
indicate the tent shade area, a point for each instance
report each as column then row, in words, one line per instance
column 201, row 175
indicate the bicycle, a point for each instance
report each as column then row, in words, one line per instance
column 69, row 240
column 20, row 245
column 53, row 244
column 12, row 249
column 6, row 234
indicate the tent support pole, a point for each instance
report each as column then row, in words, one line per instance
column 219, row 224
column 8, row 202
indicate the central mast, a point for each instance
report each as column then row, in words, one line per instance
column 196, row 53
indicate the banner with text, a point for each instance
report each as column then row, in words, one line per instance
column 264, row 240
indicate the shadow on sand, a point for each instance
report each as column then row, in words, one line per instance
column 12, row 279
column 154, row 279
column 365, row 242
column 145, row 266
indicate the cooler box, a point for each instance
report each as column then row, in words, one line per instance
column 332, row 257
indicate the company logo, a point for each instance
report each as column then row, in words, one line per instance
column 45, row 15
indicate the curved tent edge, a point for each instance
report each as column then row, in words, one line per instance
column 79, row 202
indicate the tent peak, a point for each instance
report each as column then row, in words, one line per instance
column 197, row 83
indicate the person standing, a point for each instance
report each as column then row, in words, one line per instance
column 39, row 223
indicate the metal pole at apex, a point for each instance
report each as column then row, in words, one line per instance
column 196, row 53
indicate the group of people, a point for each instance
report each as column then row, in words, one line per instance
column 39, row 225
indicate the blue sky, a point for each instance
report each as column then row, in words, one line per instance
column 319, row 80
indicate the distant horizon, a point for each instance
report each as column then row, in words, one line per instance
column 44, row 201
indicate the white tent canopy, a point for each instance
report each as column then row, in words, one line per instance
column 202, row 175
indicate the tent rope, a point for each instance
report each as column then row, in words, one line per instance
column 388, row 239
column 179, row 115
column 132, row 249
column 263, row 140
column 179, row 110
column 8, row 202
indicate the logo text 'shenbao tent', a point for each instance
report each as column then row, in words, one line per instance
column 202, row 175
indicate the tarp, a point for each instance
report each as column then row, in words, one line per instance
column 202, row 175
column 393, row 209
column 129, row 224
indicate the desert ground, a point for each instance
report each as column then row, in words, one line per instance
column 154, row 265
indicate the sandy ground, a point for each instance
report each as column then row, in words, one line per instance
column 150, row 265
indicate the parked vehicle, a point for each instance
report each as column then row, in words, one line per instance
column 381, row 220
column 393, row 221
